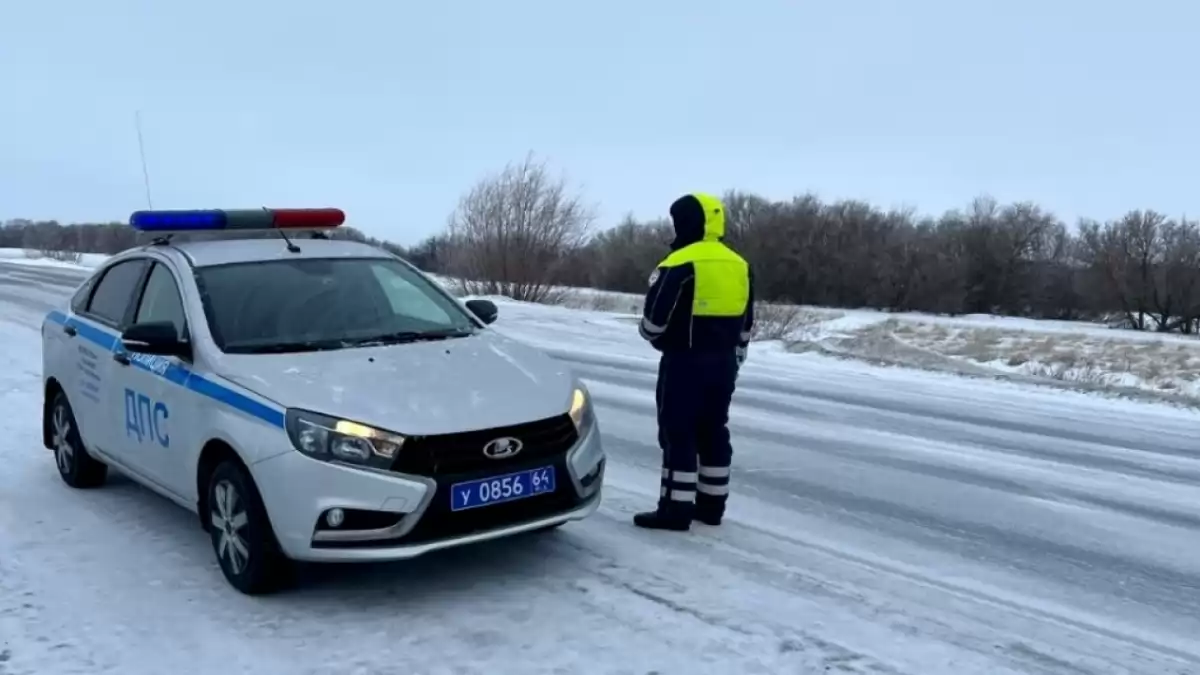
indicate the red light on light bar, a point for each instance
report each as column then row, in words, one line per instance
column 308, row 218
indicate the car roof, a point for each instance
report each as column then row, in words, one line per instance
column 226, row 251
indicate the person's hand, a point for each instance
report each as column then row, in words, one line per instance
column 742, row 353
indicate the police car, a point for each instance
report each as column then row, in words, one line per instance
column 311, row 399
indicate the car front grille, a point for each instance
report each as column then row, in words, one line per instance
column 462, row 453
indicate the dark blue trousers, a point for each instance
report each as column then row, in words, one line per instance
column 694, row 391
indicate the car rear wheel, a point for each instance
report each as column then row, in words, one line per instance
column 76, row 467
column 242, row 538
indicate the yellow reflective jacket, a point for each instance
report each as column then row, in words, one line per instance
column 701, row 296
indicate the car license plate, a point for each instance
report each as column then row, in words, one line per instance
column 497, row 489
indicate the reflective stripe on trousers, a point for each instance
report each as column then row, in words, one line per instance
column 713, row 481
column 678, row 486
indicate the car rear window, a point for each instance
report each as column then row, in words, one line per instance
column 294, row 305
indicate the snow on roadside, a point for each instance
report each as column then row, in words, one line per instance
column 1073, row 354
column 1058, row 353
column 1166, row 365
column 1063, row 353
column 30, row 257
column 1160, row 366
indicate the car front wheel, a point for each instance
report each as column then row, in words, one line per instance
column 77, row 468
column 242, row 538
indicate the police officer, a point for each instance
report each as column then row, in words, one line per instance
column 699, row 312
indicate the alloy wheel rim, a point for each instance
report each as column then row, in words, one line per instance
column 64, row 452
column 229, row 519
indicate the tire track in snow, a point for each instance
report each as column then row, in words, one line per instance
column 795, row 564
column 866, row 453
column 1128, row 575
column 1184, row 470
column 1156, row 586
column 788, row 567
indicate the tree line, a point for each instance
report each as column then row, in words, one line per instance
column 524, row 233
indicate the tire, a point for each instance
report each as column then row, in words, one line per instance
column 242, row 537
column 77, row 468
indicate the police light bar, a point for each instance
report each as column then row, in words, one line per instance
column 241, row 219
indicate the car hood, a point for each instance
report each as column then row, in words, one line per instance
column 420, row 388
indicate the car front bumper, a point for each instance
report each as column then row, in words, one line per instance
column 411, row 513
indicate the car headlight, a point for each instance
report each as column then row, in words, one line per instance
column 581, row 410
column 332, row 439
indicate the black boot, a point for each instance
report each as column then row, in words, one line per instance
column 676, row 517
column 709, row 510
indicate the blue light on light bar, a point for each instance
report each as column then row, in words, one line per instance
column 178, row 221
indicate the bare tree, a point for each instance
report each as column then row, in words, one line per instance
column 1177, row 278
column 514, row 232
column 1151, row 267
column 621, row 258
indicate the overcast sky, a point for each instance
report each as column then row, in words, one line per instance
column 392, row 109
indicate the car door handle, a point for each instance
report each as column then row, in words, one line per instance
column 70, row 330
column 121, row 358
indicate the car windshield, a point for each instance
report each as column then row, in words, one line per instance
column 283, row 306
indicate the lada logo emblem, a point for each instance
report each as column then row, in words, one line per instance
column 499, row 448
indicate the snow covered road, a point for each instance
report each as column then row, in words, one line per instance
column 883, row 521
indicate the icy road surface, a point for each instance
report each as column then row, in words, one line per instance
column 884, row 521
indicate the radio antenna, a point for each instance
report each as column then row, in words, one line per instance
column 137, row 123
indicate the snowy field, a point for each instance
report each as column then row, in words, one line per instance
column 884, row 521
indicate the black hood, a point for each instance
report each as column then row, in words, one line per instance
column 687, row 215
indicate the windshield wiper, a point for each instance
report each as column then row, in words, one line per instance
column 286, row 347
column 401, row 337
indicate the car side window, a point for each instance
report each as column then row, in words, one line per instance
column 161, row 300
column 80, row 299
column 115, row 291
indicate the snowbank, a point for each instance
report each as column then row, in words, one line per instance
column 1161, row 366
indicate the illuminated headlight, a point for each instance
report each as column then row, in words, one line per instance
column 331, row 439
column 581, row 410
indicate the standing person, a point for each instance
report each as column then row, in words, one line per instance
column 699, row 312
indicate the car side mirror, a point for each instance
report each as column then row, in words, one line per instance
column 486, row 310
column 155, row 337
